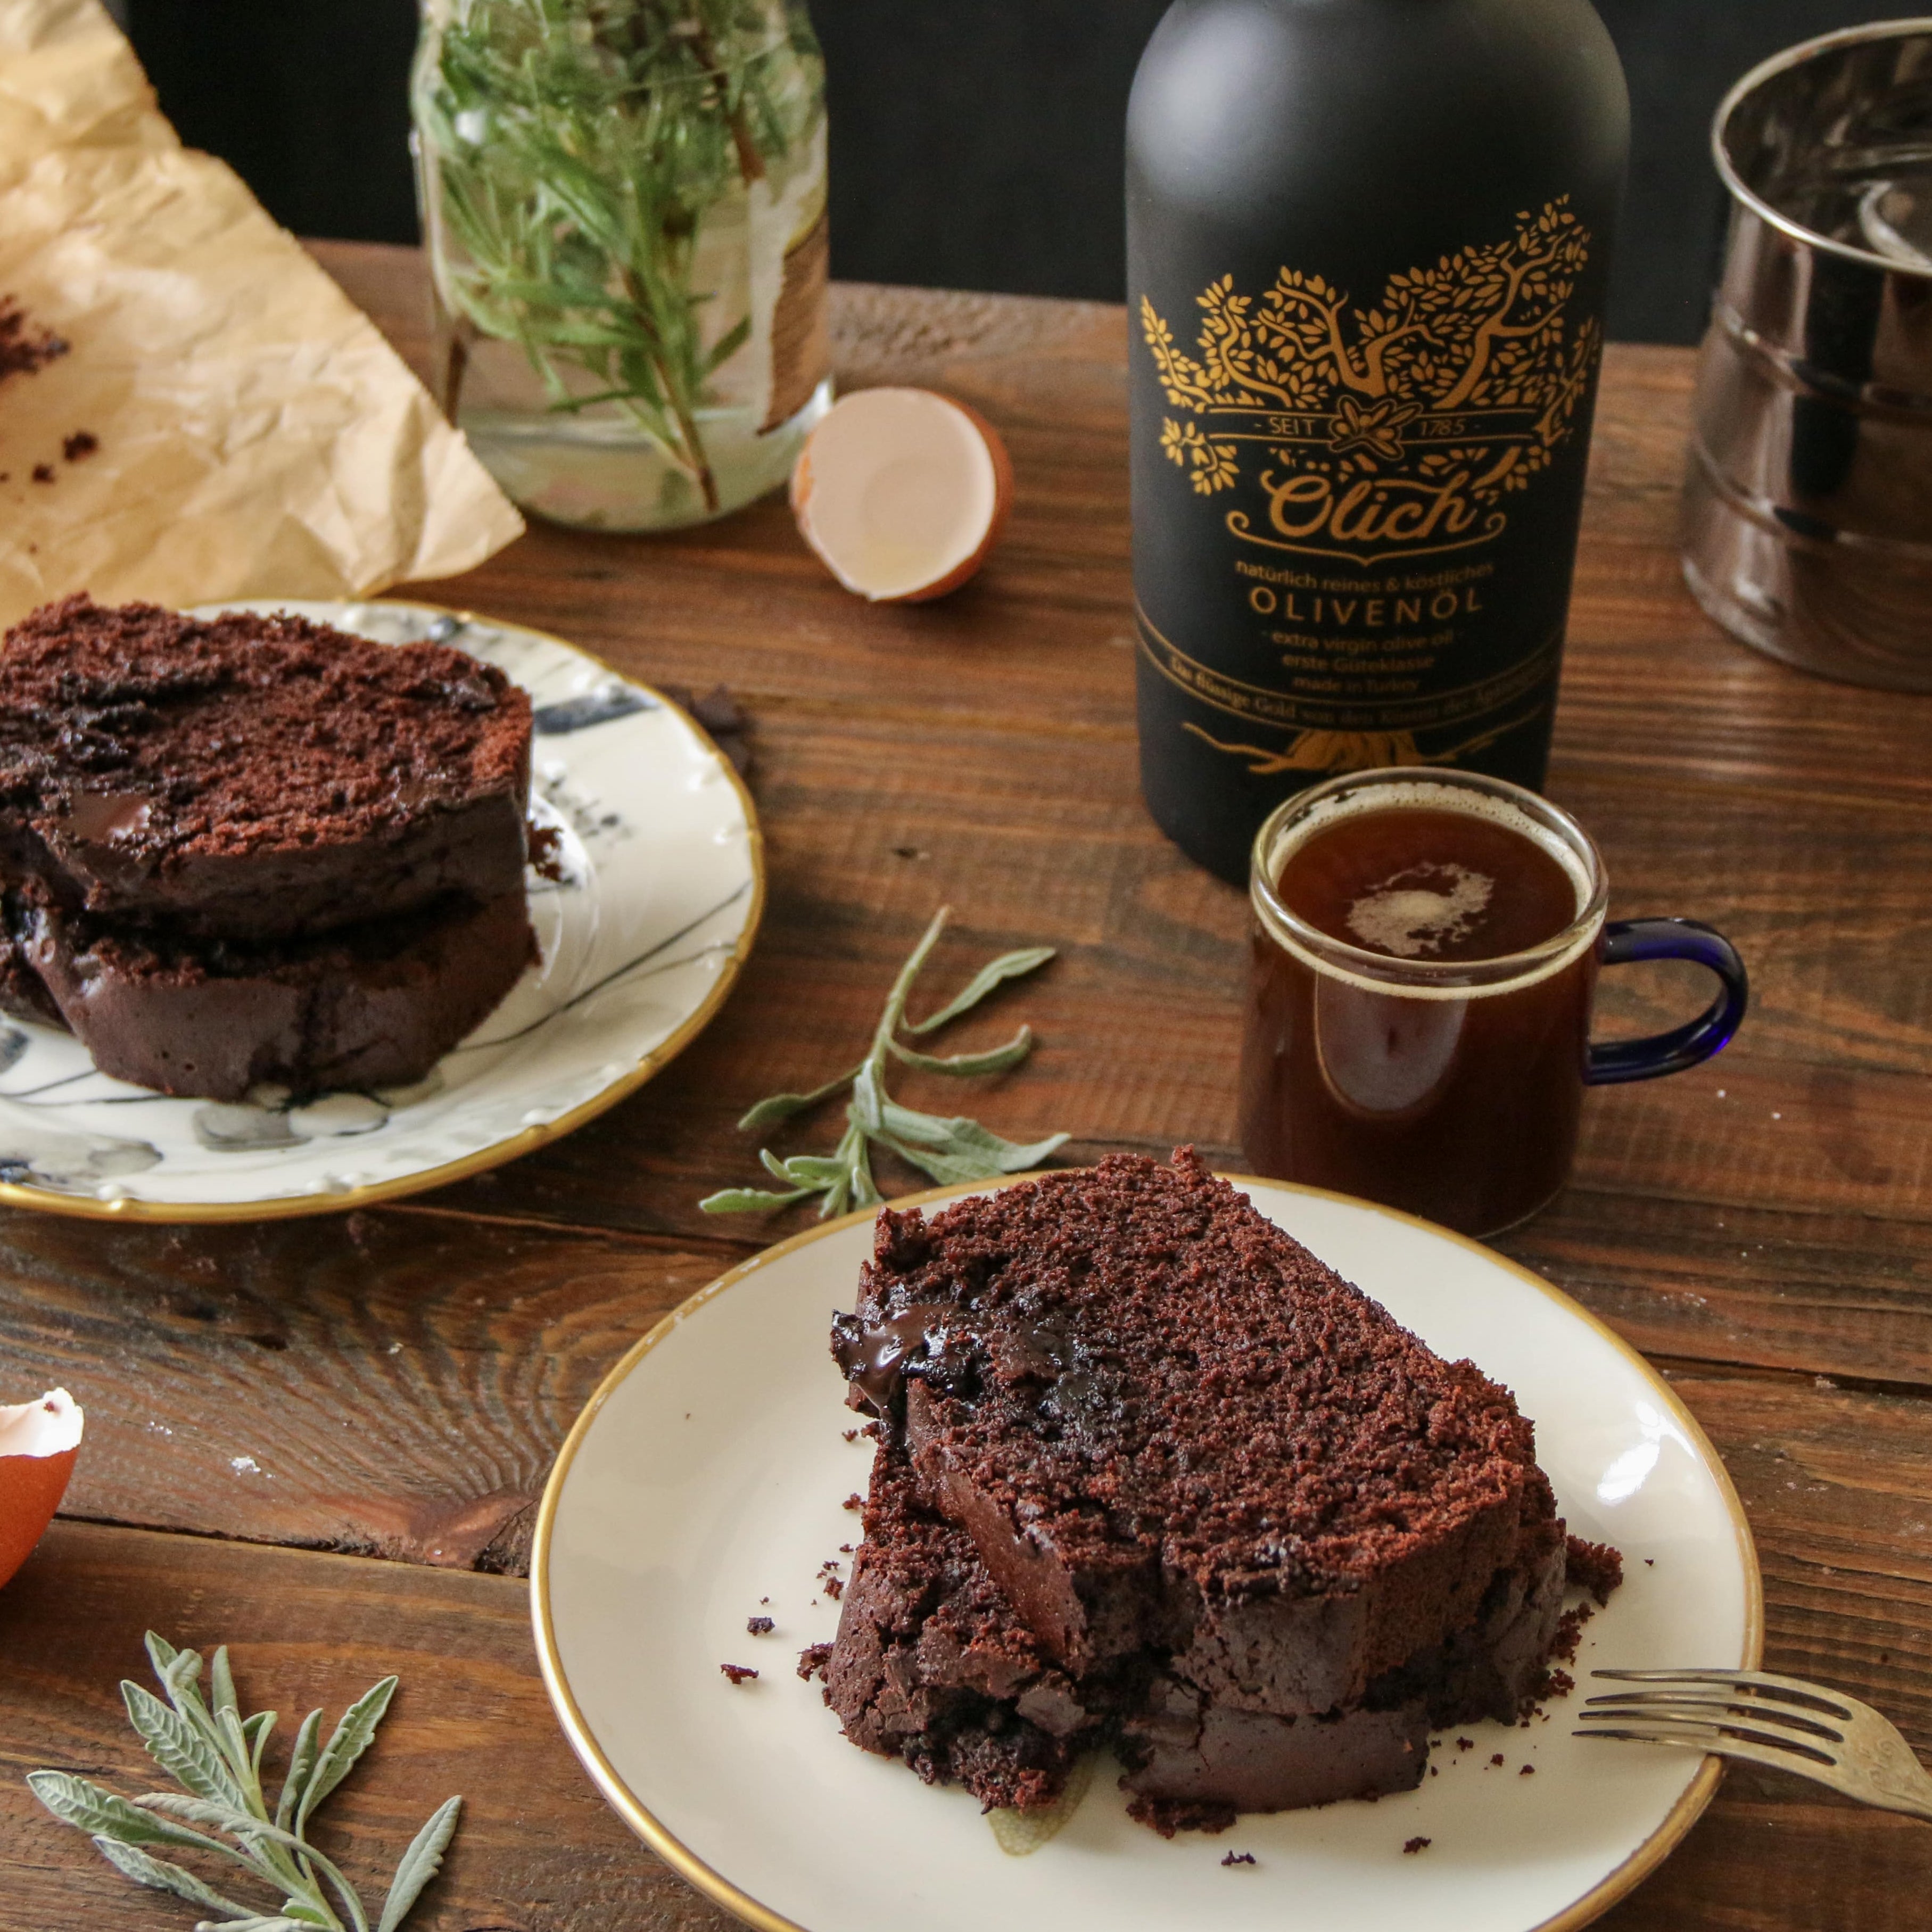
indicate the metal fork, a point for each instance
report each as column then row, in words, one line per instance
column 1784, row 1722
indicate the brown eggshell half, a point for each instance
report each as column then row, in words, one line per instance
column 902, row 493
column 39, row 1442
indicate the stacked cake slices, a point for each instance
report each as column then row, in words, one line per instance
column 1151, row 1475
column 253, row 851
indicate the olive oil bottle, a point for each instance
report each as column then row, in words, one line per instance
column 1368, row 243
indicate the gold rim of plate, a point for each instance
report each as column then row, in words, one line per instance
column 527, row 1140
column 1640, row 1864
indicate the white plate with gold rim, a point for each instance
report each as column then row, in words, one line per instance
column 707, row 1476
column 661, row 883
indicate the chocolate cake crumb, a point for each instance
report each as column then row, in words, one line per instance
column 812, row 1660
column 833, row 1588
column 1415, row 1845
column 738, row 1673
column 851, row 1434
column 1594, row 1567
column 1497, row 1759
column 759, row 1626
column 82, row 443
column 1465, row 1743
column 43, row 472
column 764, row 1600
column 1244, row 1857
column 1560, row 1684
column 546, row 862
column 1528, row 1771
column 1570, row 1633
column 845, row 1549
column 854, row 1502
column 871, row 1429
column 1650, row 1562
column 23, row 353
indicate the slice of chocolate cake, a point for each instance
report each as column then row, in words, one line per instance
column 1264, row 1537
column 367, row 1006
column 253, row 777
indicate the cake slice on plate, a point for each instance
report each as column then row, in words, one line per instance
column 1255, row 1532
column 255, row 851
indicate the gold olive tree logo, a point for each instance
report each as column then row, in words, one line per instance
column 1394, row 430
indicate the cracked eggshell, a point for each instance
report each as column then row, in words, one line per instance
column 902, row 493
column 39, row 1441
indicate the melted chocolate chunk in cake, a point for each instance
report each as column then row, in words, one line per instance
column 1251, row 1528
column 253, row 777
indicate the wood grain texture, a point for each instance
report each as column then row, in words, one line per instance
column 538, row 1850
column 393, row 1383
column 390, row 1384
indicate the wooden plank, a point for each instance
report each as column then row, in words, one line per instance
column 537, row 1849
column 391, row 1384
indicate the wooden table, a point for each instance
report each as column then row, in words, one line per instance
column 321, row 1440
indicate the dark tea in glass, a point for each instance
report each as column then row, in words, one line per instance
column 1426, row 950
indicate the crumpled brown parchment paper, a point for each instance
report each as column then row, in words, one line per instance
column 257, row 436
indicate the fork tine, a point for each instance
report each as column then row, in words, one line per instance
column 1728, row 1740
column 1714, row 1710
column 1792, row 1690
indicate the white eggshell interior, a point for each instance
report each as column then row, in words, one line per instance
column 48, row 1427
column 903, row 491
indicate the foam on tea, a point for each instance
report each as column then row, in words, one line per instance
column 1414, row 879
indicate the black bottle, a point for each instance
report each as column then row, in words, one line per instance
column 1368, row 242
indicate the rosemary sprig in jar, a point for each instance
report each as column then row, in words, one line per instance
column 577, row 147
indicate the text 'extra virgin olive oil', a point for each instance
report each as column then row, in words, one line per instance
column 1368, row 244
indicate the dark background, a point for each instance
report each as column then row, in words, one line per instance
column 975, row 143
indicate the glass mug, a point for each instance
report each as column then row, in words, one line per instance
column 1449, row 1087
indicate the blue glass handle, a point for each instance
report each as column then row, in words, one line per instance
column 1628, row 939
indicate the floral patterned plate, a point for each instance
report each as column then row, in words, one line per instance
column 662, row 883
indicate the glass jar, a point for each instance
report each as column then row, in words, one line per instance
column 624, row 206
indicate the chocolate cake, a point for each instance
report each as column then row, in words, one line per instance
column 366, row 1006
column 1151, row 1474
column 253, row 777
column 256, row 850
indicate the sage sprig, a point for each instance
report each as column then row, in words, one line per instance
column 214, row 1753
column 950, row 1149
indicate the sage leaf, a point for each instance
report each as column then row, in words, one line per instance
column 221, row 1685
column 256, row 1730
column 808, row 1170
column 420, row 1864
column 301, row 1765
column 995, row 1060
column 158, row 1875
column 350, row 1739
column 92, row 1808
column 749, row 1200
column 178, row 1748
column 257, row 1925
column 768, row 1113
column 235, row 1743
column 1008, row 966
